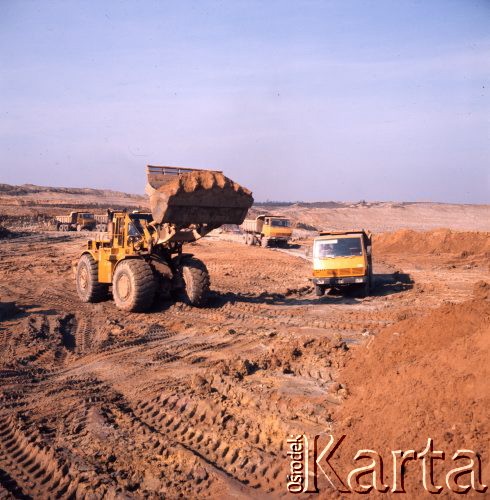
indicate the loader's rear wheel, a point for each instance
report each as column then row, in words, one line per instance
column 197, row 282
column 88, row 287
column 133, row 285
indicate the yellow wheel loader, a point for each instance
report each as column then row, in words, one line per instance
column 141, row 253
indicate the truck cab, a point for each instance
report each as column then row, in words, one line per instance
column 342, row 259
column 84, row 220
column 276, row 227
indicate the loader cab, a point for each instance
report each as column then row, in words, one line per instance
column 342, row 259
column 124, row 228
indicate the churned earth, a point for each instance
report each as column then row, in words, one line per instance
column 191, row 402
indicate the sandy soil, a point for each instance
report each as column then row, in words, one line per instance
column 194, row 402
column 199, row 402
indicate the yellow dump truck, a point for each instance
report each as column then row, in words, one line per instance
column 267, row 229
column 142, row 253
column 342, row 259
column 76, row 221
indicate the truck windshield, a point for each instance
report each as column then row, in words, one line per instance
column 342, row 247
column 87, row 216
column 280, row 223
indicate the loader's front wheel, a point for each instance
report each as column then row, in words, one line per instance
column 88, row 287
column 133, row 285
column 196, row 279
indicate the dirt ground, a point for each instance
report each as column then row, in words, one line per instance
column 192, row 402
column 199, row 402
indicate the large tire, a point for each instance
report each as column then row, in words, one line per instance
column 319, row 290
column 197, row 282
column 88, row 287
column 133, row 285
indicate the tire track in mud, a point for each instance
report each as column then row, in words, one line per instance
column 200, row 428
column 254, row 316
column 103, row 405
column 29, row 466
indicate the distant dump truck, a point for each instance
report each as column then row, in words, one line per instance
column 343, row 259
column 76, row 221
column 267, row 229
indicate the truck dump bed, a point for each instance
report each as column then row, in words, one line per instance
column 252, row 225
column 183, row 197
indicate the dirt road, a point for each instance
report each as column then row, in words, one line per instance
column 185, row 401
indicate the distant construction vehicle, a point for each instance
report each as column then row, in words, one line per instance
column 142, row 252
column 76, row 221
column 267, row 230
column 343, row 259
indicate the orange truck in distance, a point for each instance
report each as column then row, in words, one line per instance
column 267, row 230
column 76, row 221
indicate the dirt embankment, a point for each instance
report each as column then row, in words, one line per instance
column 420, row 379
column 434, row 242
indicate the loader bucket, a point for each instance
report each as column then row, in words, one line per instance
column 183, row 197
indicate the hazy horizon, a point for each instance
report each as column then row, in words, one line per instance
column 311, row 101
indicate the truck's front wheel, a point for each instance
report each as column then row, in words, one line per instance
column 196, row 280
column 133, row 285
column 88, row 287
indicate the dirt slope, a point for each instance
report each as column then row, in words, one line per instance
column 423, row 378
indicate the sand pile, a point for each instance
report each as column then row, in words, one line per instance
column 433, row 242
column 198, row 197
column 419, row 379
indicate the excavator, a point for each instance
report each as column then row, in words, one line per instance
column 142, row 252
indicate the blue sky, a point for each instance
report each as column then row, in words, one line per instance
column 297, row 100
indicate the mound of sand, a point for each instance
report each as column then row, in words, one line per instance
column 420, row 379
column 433, row 242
